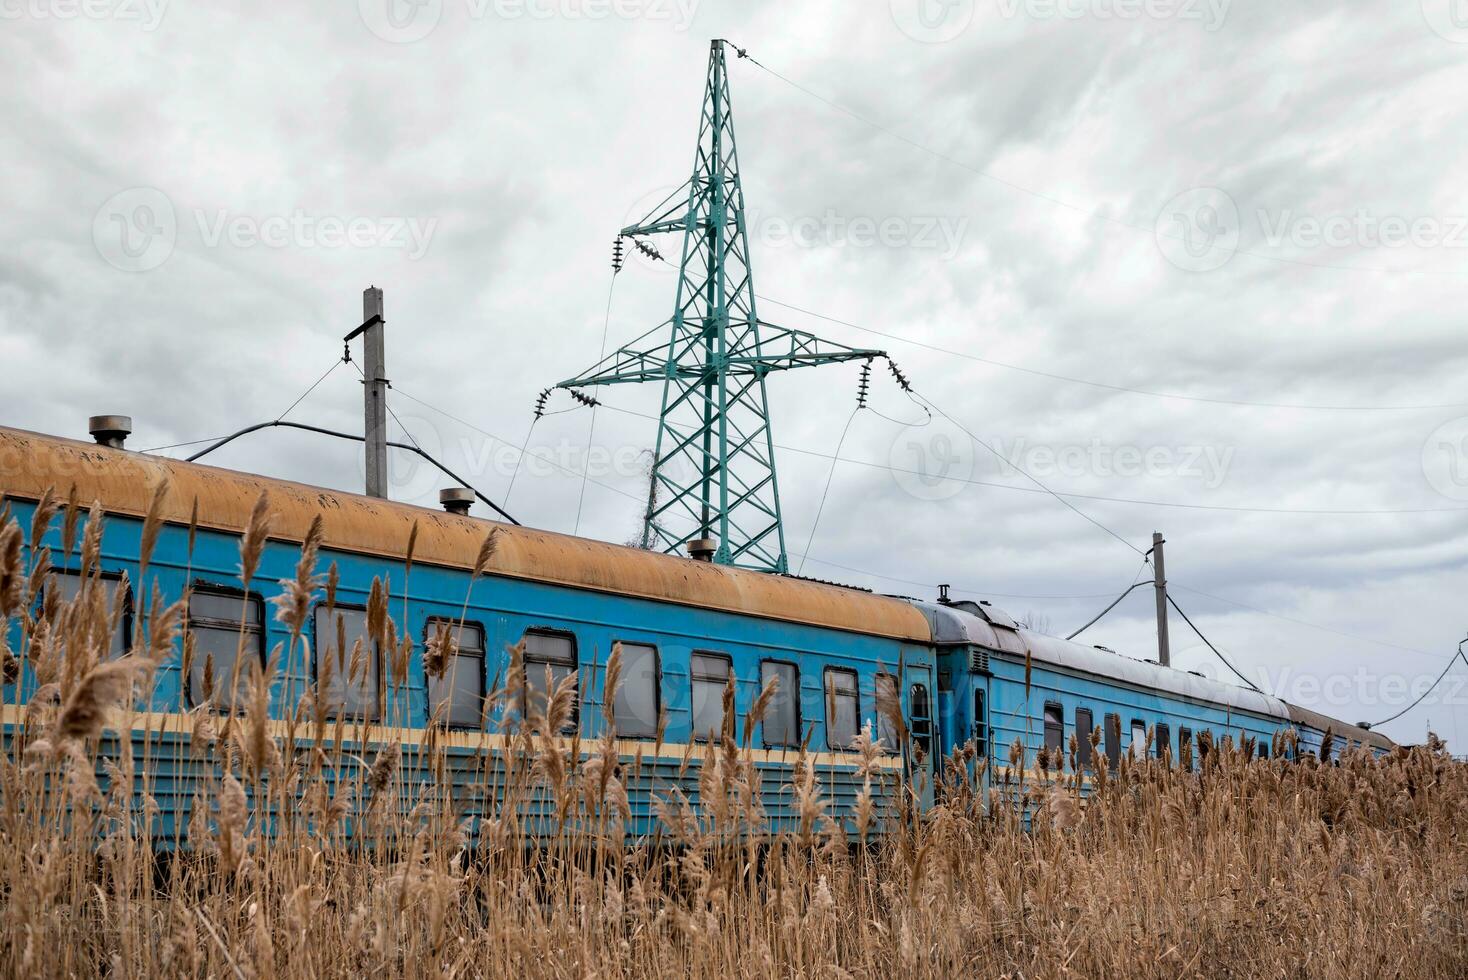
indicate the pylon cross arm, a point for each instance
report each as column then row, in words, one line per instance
column 781, row 350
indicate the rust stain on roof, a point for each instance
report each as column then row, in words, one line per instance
column 125, row 482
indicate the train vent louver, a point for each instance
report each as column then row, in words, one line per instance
column 978, row 659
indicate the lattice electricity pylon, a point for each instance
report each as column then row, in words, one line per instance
column 715, row 412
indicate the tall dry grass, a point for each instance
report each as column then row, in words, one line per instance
column 313, row 850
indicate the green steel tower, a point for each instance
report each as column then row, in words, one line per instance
column 715, row 457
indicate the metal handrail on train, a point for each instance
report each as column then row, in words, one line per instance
column 347, row 435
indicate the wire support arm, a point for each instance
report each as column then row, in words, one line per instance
column 281, row 423
column 784, row 349
column 1097, row 618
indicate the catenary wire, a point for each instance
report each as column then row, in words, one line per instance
column 1451, row 660
column 1209, row 643
column 591, row 430
column 1174, row 583
column 1029, row 476
column 1181, row 505
column 1200, row 399
column 1058, row 202
column 336, row 363
column 1114, row 603
column 827, row 492
column 1108, row 386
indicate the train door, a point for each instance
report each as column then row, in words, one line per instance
column 980, row 731
column 921, row 722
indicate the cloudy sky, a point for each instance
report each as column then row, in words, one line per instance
column 1197, row 264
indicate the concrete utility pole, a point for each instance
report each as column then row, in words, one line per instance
column 374, row 392
column 1159, row 579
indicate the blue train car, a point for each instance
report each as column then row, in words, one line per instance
column 684, row 628
column 962, row 674
column 1001, row 684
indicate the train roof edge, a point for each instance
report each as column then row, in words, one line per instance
column 124, row 481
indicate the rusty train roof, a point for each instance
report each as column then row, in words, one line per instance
column 125, row 481
column 1339, row 729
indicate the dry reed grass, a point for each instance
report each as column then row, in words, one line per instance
column 1245, row 868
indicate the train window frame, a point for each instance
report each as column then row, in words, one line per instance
column 657, row 692
column 457, row 626
column 335, row 709
column 125, row 623
column 923, row 737
column 1138, row 747
column 794, row 696
column 527, row 658
column 1085, row 758
column 1184, row 738
column 981, row 722
column 1053, row 720
column 703, row 734
column 1111, row 738
column 830, row 698
column 1162, row 738
column 884, row 725
column 192, row 621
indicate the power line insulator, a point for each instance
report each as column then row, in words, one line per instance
column 863, row 384
column 901, row 378
column 617, row 255
column 540, row 401
column 648, row 249
column 583, row 398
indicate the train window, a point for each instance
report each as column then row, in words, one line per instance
column 781, row 725
column 1054, row 727
column 1113, row 739
column 1084, row 726
column 1164, row 740
column 1263, row 749
column 638, row 704
column 842, row 708
column 709, row 675
column 886, row 691
column 224, row 623
column 1139, row 739
column 981, row 724
column 457, row 698
column 922, row 720
column 1205, row 742
column 354, row 665
column 550, row 657
column 68, row 585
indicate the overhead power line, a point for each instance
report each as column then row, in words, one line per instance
column 1048, row 198
column 1105, row 385
column 1209, row 644
column 1027, row 475
column 1181, row 505
column 1298, row 622
column 413, row 448
column 1451, row 660
column 1114, row 603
